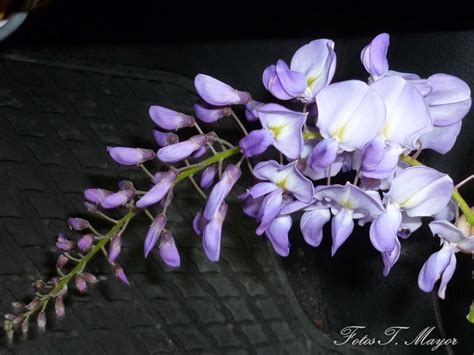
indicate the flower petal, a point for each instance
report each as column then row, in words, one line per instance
column 179, row 151
column 154, row 233
column 159, row 191
column 324, row 154
column 170, row 120
column 261, row 189
column 218, row 93
column 130, row 156
column 447, row 231
column 256, row 142
column 342, row 226
column 293, row 82
column 421, row 191
column 374, row 56
column 208, row 176
column 440, row 139
column 163, row 139
column 312, row 223
column 212, row 232
column 434, row 267
column 277, row 232
column 390, row 258
column 447, row 275
column 270, row 208
column 168, row 251
column 384, row 230
column 209, row 113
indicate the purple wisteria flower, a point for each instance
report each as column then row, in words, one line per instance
column 159, row 191
column 168, row 251
column 374, row 56
column 208, row 176
column 130, row 156
column 312, row 68
column 165, row 138
column 442, row 264
column 170, row 120
column 182, row 150
column 209, row 113
column 154, row 233
column 217, row 93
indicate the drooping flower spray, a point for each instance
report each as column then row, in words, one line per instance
column 369, row 132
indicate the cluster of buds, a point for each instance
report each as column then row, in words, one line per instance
column 361, row 131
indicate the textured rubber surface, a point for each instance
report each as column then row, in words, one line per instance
column 56, row 120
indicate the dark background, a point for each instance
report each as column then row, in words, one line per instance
column 235, row 41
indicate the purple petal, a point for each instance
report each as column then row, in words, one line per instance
column 293, row 82
column 440, row 139
column 351, row 112
column 317, row 61
column 165, row 138
column 374, row 56
column 384, row 230
column 252, row 206
column 266, row 170
column 170, row 120
column 434, row 267
column 390, row 258
column 421, row 191
column 78, row 224
column 407, row 113
column 130, row 156
column 447, row 231
column 208, row 176
column 272, row 83
column 63, row 243
column 251, row 110
column 182, row 150
column 221, row 190
column 373, row 153
column 211, row 236
column 217, row 93
column 81, row 284
column 447, row 275
column 261, row 189
column 154, row 233
column 286, row 127
column 200, row 152
column 209, row 113
column 96, row 195
column 312, row 223
column 117, row 199
column 115, row 248
column 386, row 167
column 256, row 142
column 168, row 251
column 199, row 222
column 85, row 242
column 159, row 191
column 342, row 226
column 324, row 154
column 269, row 210
column 277, row 232
column 120, row 274
column 450, row 99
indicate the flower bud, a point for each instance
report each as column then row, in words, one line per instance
column 217, row 93
column 165, row 138
column 256, row 142
column 126, row 185
column 209, row 113
column 159, row 191
column 78, row 224
column 33, row 305
column 208, row 176
column 120, row 274
column 251, row 110
column 170, row 120
column 18, row 306
column 117, row 199
column 130, row 156
column 63, row 243
column 182, row 150
column 90, row 278
column 62, row 261
column 96, row 195
column 115, row 248
column 200, row 152
column 154, row 233
column 41, row 320
column 86, row 242
column 90, row 207
column 25, row 326
column 59, row 307
column 168, row 251
column 38, row 285
column 81, row 284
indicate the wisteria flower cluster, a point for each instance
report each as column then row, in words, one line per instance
column 368, row 134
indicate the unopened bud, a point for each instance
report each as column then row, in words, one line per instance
column 41, row 321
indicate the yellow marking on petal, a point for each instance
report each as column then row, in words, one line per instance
column 277, row 130
column 311, row 80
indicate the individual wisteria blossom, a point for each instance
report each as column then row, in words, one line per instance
column 217, row 93
column 170, row 120
column 312, row 68
column 341, row 153
column 442, row 264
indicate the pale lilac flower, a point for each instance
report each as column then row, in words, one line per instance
column 449, row 101
column 130, row 156
column 422, row 85
column 78, row 224
column 277, row 233
column 390, row 258
column 374, row 56
column 59, row 307
column 217, row 93
column 170, row 120
column 117, row 199
column 85, row 242
column 96, row 196
column 348, row 202
column 209, row 113
column 256, row 142
column 159, row 191
column 208, row 176
column 312, row 223
column 115, row 248
column 182, row 150
column 417, row 191
column 312, row 68
column 63, row 243
column 351, row 113
column 165, row 138
column 120, row 274
column 212, row 232
column 440, row 139
column 154, row 233
column 442, row 264
column 286, row 127
column 221, row 190
column 168, row 251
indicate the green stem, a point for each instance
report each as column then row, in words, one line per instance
column 463, row 206
column 311, row 135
